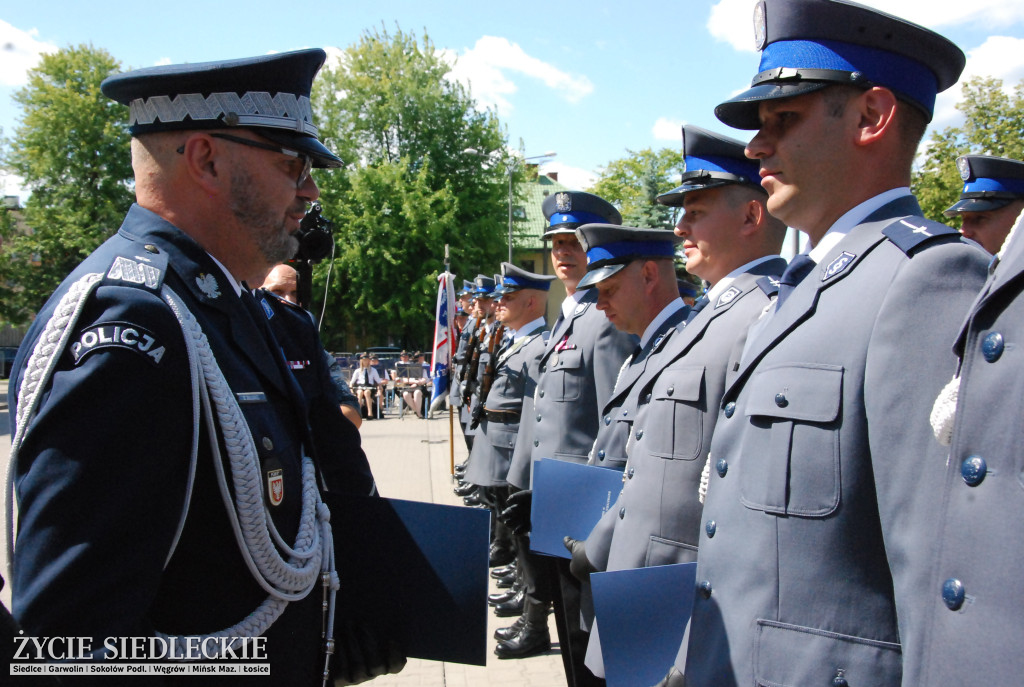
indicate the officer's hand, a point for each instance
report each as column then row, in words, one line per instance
column 362, row 653
column 580, row 566
column 517, row 515
column 478, row 415
column 673, row 679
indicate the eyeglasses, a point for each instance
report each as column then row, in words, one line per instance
column 307, row 161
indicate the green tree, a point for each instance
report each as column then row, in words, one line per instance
column 994, row 125
column 632, row 183
column 402, row 127
column 71, row 149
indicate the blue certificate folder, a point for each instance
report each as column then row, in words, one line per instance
column 568, row 500
column 417, row 571
column 641, row 616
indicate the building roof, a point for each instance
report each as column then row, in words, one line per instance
column 529, row 230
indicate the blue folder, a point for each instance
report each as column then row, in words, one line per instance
column 568, row 500
column 416, row 571
column 641, row 617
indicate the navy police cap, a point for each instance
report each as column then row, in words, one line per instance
column 989, row 183
column 611, row 247
column 686, row 288
column 712, row 160
column 484, row 286
column 467, row 288
column 268, row 94
column 807, row 45
column 567, row 210
column 516, row 279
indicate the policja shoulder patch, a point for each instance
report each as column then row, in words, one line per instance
column 125, row 335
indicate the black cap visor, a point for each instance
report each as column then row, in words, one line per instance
column 317, row 151
column 977, row 205
column 741, row 112
column 596, row 276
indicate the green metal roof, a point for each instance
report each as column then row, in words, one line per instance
column 528, row 231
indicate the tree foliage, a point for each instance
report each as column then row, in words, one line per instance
column 71, row 148
column 402, row 128
column 632, row 183
column 994, row 125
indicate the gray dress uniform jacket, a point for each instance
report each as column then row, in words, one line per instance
column 656, row 518
column 578, row 369
column 617, row 414
column 975, row 600
column 516, row 375
column 811, row 564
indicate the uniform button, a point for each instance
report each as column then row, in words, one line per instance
column 625, row 412
column 973, row 470
column 538, row 417
column 953, row 593
column 671, row 390
column 722, row 466
column 647, row 398
column 992, row 347
column 730, row 408
column 639, row 434
column 542, row 393
column 630, row 473
column 151, row 248
column 536, row 442
column 607, row 419
column 710, row 528
column 840, row 680
column 600, row 454
column 622, row 513
column 268, row 444
column 704, row 588
column 781, row 400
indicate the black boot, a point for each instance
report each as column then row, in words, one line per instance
column 500, row 555
column 501, row 597
column 531, row 640
column 506, row 633
column 512, row 607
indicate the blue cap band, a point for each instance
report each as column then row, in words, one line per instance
column 523, row 283
column 729, row 165
column 630, row 249
column 1000, row 185
column 903, row 75
column 576, row 218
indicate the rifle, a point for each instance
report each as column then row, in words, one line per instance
column 469, row 371
column 488, row 377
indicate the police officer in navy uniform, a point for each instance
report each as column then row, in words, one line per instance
column 578, row 370
column 164, row 382
column 811, row 568
column 975, row 603
column 992, row 198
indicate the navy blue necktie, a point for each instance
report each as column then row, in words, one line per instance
column 798, row 268
column 697, row 307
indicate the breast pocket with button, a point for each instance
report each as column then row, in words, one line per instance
column 567, row 375
column 791, row 465
column 676, row 412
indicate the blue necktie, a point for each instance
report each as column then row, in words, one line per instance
column 697, row 307
column 798, row 268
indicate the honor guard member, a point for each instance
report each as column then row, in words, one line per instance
column 633, row 271
column 811, row 567
column 150, row 380
column 578, row 370
column 483, row 315
column 732, row 244
column 974, row 613
column 459, row 360
column 992, row 198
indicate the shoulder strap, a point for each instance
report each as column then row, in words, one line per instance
column 911, row 232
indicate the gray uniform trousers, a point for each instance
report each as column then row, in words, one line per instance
column 810, row 563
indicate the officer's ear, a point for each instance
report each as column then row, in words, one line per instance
column 204, row 163
column 876, row 108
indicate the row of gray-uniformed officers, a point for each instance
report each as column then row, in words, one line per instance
column 845, row 542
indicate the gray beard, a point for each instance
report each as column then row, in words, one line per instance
column 270, row 234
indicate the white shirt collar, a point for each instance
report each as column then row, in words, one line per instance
column 539, row 322
column 672, row 308
column 570, row 303
column 235, row 284
column 718, row 289
column 852, row 218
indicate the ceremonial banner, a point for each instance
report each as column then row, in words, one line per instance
column 444, row 336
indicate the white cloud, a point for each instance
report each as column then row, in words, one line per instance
column 666, row 129
column 19, row 52
column 999, row 56
column 488, row 66
column 731, row 21
column 574, row 178
column 163, row 62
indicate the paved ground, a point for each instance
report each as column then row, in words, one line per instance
column 410, row 458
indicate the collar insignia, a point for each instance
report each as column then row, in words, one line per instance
column 728, row 297
column 841, row 262
column 207, row 283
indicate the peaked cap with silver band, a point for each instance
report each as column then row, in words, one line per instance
column 516, row 279
column 268, row 94
column 712, row 160
column 807, row 45
column 567, row 210
column 989, row 183
column 484, row 286
column 611, row 247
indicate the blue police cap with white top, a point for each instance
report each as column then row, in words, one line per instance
column 516, row 279
column 712, row 160
column 267, row 94
column 687, row 289
column 484, row 286
column 567, row 210
column 807, row 45
column 989, row 183
column 611, row 247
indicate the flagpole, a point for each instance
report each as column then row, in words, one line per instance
column 451, row 413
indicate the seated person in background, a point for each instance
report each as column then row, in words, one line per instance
column 365, row 382
column 410, row 378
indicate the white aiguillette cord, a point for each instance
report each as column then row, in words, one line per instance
column 944, row 410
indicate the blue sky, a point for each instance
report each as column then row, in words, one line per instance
column 588, row 80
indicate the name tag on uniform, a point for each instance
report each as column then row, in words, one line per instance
column 251, row 397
